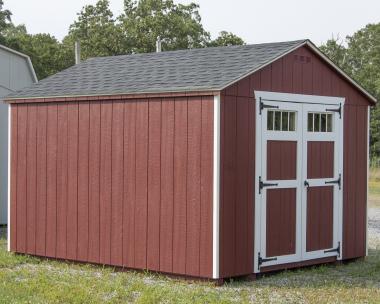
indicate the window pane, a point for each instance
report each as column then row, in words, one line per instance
column 323, row 122
column 284, row 122
column 270, row 120
column 277, row 121
column 317, row 120
column 310, row 122
column 329, row 122
column 292, row 121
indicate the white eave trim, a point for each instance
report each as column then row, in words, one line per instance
column 30, row 65
column 320, row 53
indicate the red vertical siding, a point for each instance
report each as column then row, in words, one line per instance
column 129, row 201
column 300, row 72
column 117, row 183
column 206, row 176
column 51, row 179
column 22, row 119
column 167, row 185
column 154, row 185
column 83, row 116
column 31, row 171
column 105, row 182
column 62, row 165
column 72, row 182
column 13, row 177
column 124, row 183
column 94, row 183
column 193, row 207
column 41, row 180
column 180, row 181
column 141, row 211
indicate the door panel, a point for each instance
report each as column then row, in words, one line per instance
column 320, row 218
column 281, row 160
column 281, row 222
column 320, row 159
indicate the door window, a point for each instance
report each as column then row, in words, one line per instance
column 281, row 121
column 319, row 122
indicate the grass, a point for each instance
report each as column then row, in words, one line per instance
column 25, row 279
column 374, row 187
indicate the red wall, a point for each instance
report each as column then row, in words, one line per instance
column 300, row 72
column 124, row 183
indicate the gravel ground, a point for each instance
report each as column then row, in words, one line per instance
column 374, row 228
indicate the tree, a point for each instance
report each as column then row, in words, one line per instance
column 179, row 26
column 48, row 55
column 226, row 39
column 5, row 20
column 98, row 32
column 361, row 60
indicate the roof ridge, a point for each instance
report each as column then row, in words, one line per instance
column 163, row 53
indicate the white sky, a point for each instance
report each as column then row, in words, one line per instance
column 254, row 20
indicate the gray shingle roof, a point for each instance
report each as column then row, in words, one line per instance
column 174, row 71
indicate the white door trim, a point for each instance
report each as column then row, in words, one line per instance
column 287, row 98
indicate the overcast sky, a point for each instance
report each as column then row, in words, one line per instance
column 254, row 20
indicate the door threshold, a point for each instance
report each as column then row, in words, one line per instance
column 325, row 260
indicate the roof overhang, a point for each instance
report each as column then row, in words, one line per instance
column 30, row 65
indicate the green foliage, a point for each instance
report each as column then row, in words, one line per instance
column 101, row 34
column 98, row 32
column 5, row 17
column 179, row 26
column 361, row 60
column 226, row 39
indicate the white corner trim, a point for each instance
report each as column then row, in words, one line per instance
column 216, row 189
column 9, row 180
column 368, row 164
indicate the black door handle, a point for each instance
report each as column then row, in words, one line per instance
column 306, row 183
column 263, row 185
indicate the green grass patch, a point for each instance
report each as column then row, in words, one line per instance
column 26, row 279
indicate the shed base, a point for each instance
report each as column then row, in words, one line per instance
column 298, row 264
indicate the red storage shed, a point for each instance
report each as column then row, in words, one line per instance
column 212, row 163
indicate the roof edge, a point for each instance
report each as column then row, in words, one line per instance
column 31, row 68
column 322, row 55
column 119, row 96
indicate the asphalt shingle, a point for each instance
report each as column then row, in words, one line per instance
column 172, row 71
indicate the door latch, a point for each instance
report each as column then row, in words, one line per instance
column 337, row 181
column 306, row 184
column 264, row 106
column 339, row 110
column 263, row 185
column 262, row 260
column 334, row 250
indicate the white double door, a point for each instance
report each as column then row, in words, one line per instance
column 299, row 166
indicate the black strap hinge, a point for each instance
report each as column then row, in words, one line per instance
column 334, row 250
column 263, row 185
column 339, row 110
column 264, row 106
column 262, row 260
column 337, row 181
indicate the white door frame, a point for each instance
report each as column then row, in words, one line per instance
column 293, row 101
